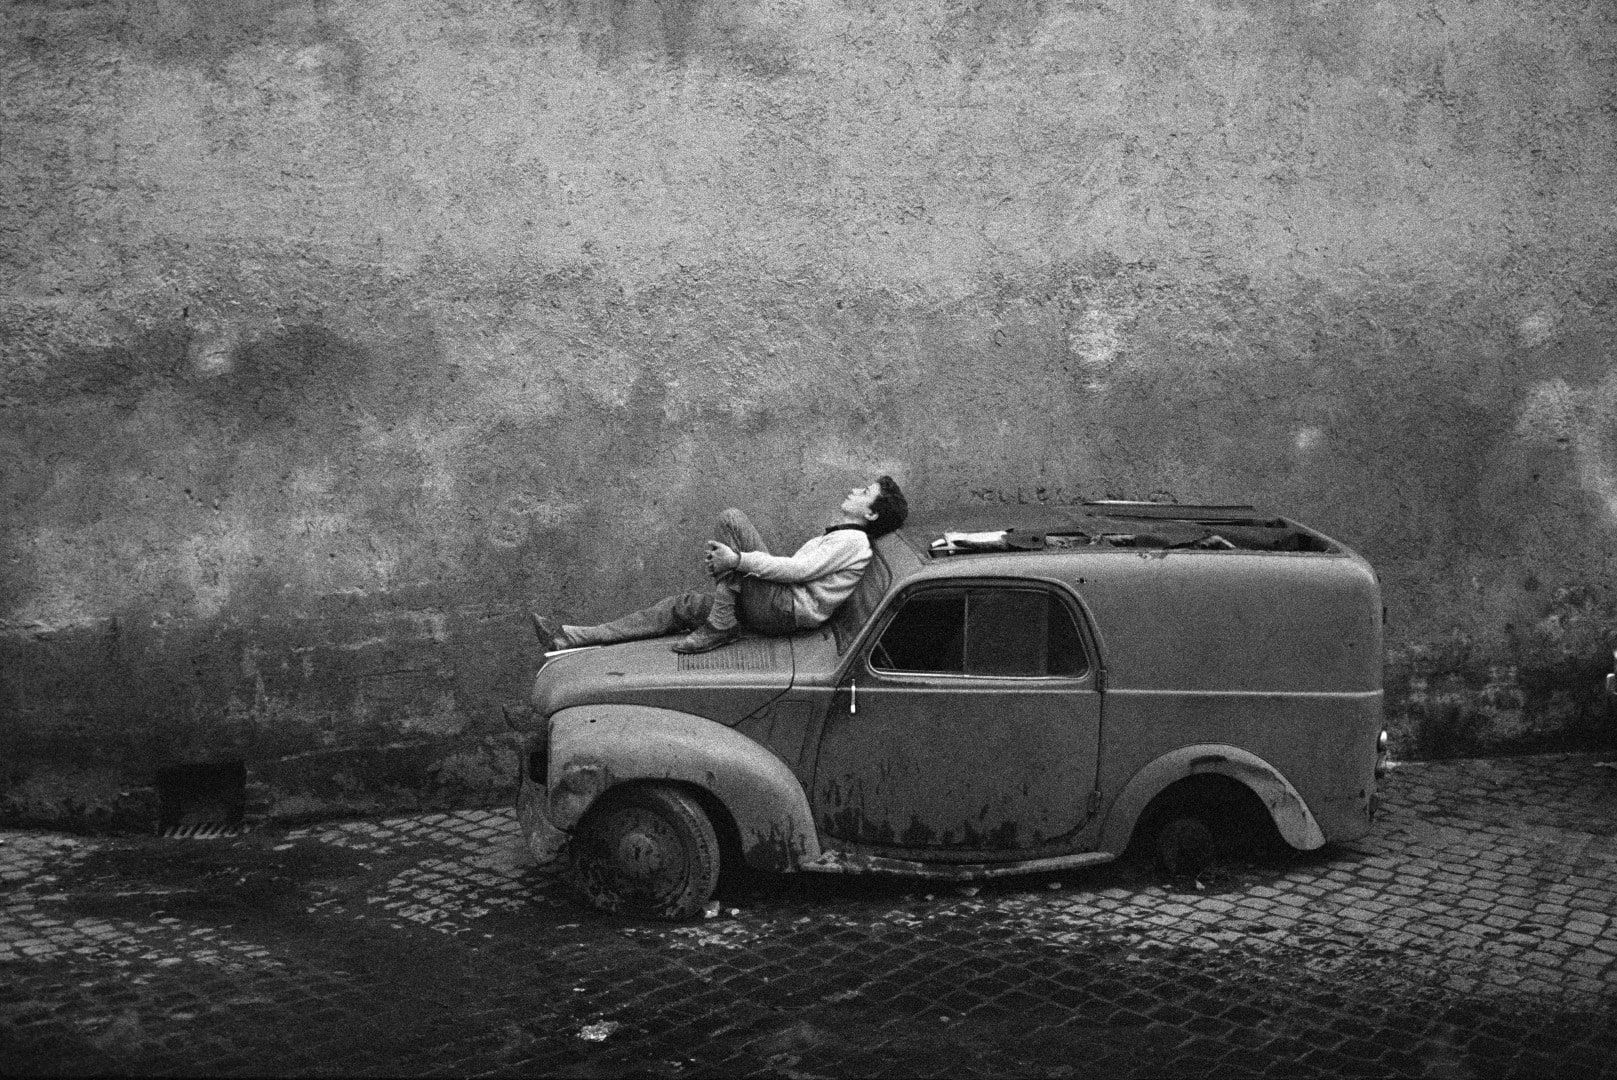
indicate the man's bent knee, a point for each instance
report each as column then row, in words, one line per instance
column 736, row 530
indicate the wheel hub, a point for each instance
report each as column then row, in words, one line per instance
column 640, row 853
column 647, row 850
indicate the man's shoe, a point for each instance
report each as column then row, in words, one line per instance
column 706, row 638
column 548, row 632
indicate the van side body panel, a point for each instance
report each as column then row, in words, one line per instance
column 1276, row 653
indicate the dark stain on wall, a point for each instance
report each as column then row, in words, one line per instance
column 203, row 35
column 971, row 27
column 270, row 378
column 620, row 33
column 120, row 373
column 1328, row 37
column 302, row 376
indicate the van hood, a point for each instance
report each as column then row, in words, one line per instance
column 726, row 685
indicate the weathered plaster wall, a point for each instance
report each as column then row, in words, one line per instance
column 337, row 335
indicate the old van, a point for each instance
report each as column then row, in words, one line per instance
column 1011, row 689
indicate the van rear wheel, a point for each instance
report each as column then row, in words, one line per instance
column 645, row 850
column 1184, row 846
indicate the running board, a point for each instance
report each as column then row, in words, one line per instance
column 843, row 862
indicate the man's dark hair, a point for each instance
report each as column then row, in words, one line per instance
column 890, row 508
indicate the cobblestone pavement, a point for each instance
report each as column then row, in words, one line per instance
column 1471, row 935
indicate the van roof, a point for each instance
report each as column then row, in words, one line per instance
column 1104, row 525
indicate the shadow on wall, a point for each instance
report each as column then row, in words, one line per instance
column 1541, row 689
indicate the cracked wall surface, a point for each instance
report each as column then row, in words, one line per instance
column 336, row 336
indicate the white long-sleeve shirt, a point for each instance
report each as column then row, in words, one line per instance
column 821, row 573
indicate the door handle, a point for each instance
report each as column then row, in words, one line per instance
column 853, row 698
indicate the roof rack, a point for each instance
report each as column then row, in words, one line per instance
column 1111, row 523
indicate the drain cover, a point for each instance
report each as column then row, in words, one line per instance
column 203, row 801
column 203, row 830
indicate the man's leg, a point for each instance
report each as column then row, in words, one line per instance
column 736, row 531
column 768, row 607
column 670, row 615
column 722, row 626
column 765, row 606
column 710, row 617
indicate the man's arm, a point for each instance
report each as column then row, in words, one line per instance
column 822, row 556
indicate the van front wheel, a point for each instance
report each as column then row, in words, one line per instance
column 646, row 850
column 1185, row 846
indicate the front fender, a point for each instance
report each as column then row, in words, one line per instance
column 1290, row 813
column 594, row 748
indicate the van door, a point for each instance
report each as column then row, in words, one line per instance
column 969, row 722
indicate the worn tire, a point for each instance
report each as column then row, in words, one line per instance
column 1184, row 846
column 646, row 850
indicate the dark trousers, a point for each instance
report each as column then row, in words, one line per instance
column 765, row 607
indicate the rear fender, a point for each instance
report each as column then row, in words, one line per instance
column 1286, row 807
column 594, row 748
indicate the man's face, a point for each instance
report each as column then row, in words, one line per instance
column 857, row 504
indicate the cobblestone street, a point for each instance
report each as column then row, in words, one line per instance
column 1470, row 935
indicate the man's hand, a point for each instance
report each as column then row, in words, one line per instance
column 720, row 558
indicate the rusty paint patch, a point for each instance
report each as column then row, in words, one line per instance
column 776, row 850
column 850, row 822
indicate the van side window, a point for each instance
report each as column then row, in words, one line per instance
column 1027, row 633
column 1022, row 632
column 928, row 634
